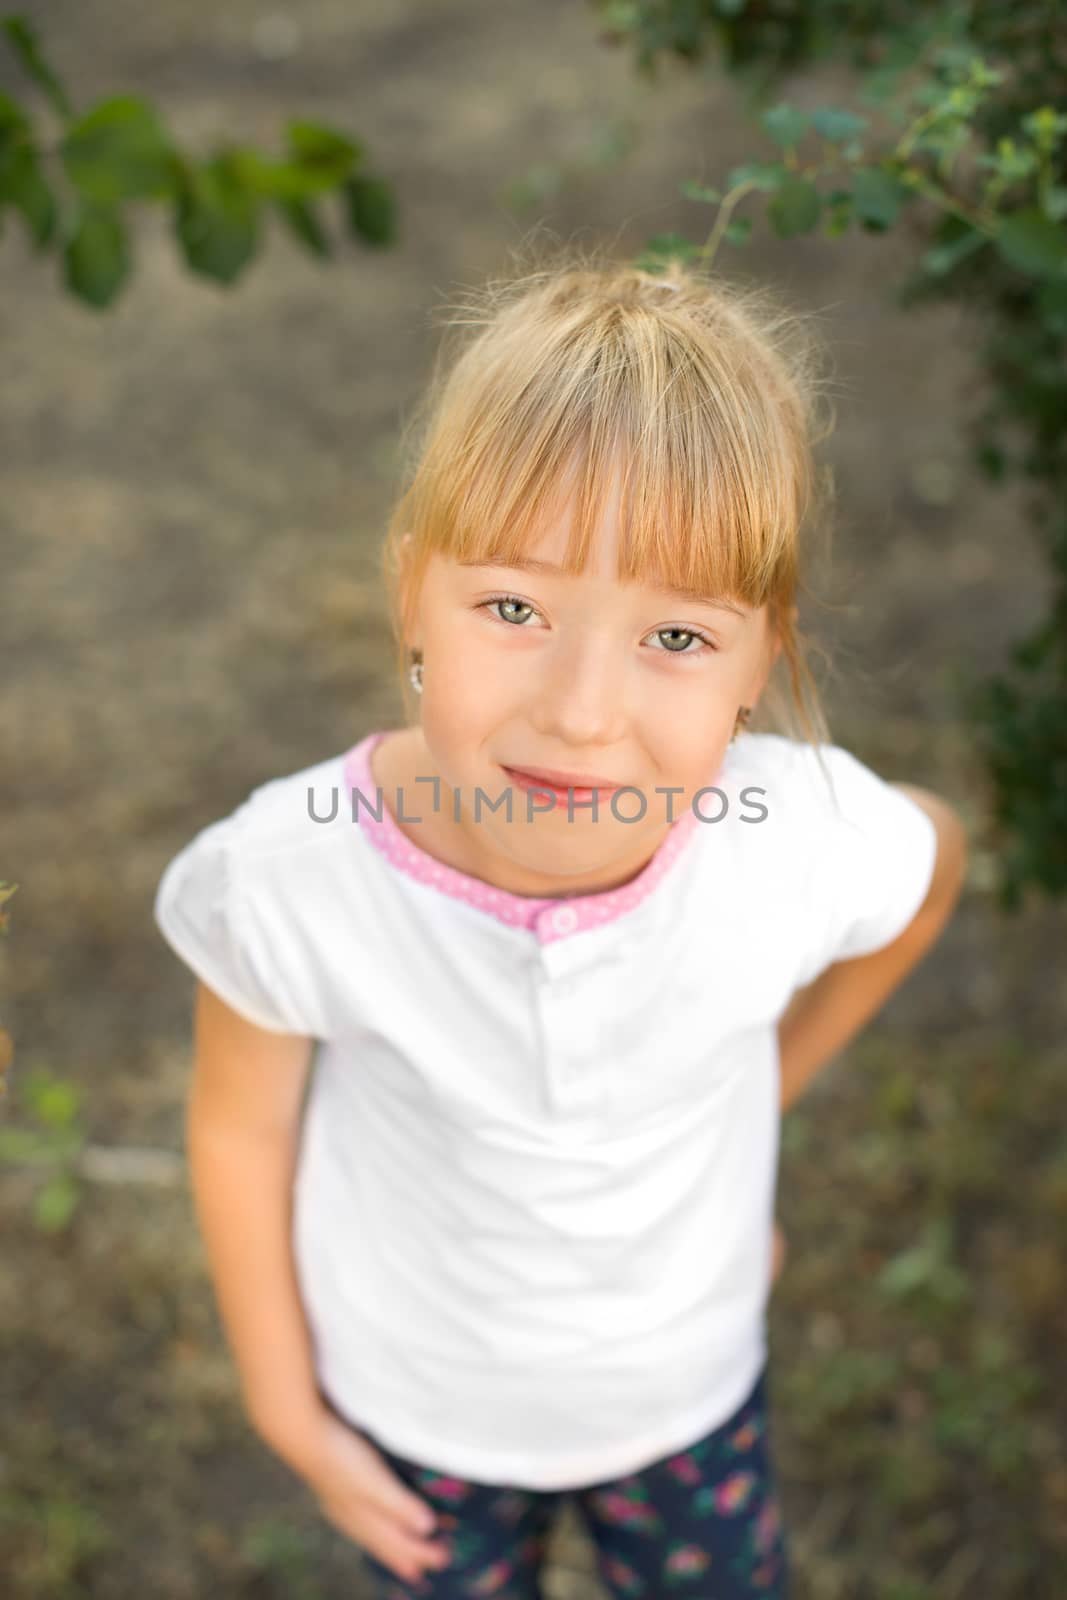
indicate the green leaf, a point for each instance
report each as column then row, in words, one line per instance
column 305, row 225
column 1034, row 244
column 272, row 180
column 55, row 1203
column 1046, row 126
column 24, row 43
column 838, row 213
column 13, row 120
column 941, row 258
column 51, row 1100
column 739, row 231
column 924, row 1265
column 785, row 125
column 96, row 259
column 877, row 196
column 661, row 247
column 119, row 151
column 795, row 208
column 698, row 191
column 767, row 175
column 371, row 215
column 217, row 220
column 837, row 126
column 324, row 155
column 23, row 186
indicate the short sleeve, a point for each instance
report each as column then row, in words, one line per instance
column 874, row 861
column 202, row 912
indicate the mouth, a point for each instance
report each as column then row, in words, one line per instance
column 582, row 783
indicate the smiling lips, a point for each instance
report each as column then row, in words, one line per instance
column 583, row 782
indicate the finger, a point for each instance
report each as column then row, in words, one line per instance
column 368, row 1523
column 405, row 1554
column 406, row 1511
column 389, row 1493
column 409, row 1555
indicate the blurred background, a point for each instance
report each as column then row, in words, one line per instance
column 196, row 482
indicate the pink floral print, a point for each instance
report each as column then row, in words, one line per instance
column 701, row 1522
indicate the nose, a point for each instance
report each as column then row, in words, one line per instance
column 579, row 693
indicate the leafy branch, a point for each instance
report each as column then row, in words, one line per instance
column 970, row 151
column 72, row 192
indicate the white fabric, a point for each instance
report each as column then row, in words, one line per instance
column 535, row 1194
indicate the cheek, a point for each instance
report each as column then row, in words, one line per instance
column 455, row 660
column 689, row 723
column 689, row 740
column 461, row 704
column 468, row 661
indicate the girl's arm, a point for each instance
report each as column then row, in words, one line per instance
column 242, row 1127
column 821, row 1018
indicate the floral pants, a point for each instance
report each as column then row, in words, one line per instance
column 703, row 1523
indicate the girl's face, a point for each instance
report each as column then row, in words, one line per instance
column 528, row 667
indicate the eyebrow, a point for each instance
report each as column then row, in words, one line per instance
column 531, row 564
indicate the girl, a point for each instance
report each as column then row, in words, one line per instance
column 564, row 946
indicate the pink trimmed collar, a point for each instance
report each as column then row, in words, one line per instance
column 550, row 917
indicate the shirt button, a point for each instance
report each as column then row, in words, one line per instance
column 564, row 919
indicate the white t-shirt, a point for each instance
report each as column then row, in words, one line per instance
column 535, row 1192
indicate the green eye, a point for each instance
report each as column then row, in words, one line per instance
column 683, row 637
column 508, row 600
column 687, row 635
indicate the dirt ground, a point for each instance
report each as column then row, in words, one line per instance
column 195, row 486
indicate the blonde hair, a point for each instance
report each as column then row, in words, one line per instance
column 708, row 395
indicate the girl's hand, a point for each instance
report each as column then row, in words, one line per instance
column 778, row 1258
column 361, row 1494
